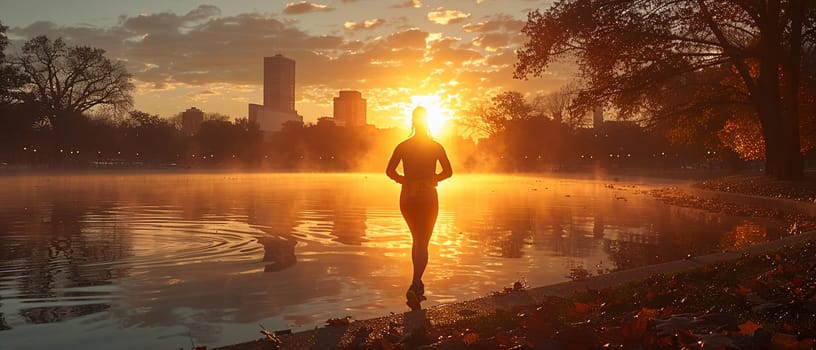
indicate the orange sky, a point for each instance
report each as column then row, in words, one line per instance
column 397, row 53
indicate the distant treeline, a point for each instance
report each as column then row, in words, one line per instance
column 143, row 140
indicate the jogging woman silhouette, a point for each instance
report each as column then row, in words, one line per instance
column 418, row 200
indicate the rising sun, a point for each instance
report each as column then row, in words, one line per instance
column 438, row 112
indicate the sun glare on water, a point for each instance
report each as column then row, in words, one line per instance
column 438, row 112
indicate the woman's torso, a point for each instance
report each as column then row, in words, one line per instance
column 419, row 158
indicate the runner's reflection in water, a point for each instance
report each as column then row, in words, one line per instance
column 278, row 252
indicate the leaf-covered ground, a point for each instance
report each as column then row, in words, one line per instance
column 796, row 222
column 757, row 185
column 763, row 301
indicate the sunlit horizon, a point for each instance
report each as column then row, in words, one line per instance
column 439, row 114
column 385, row 50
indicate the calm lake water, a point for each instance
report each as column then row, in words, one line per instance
column 157, row 260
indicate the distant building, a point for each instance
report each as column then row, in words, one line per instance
column 597, row 117
column 279, row 83
column 191, row 120
column 278, row 96
column 326, row 121
column 270, row 119
column 350, row 109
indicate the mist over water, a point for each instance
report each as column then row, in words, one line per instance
column 155, row 260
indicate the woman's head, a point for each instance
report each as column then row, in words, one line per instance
column 419, row 121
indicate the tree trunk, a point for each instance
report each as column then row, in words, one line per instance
column 779, row 120
column 783, row 160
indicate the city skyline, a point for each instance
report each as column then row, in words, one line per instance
column 398, row 53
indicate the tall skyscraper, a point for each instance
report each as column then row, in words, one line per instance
column 278, row 95
column 279, row 83
column 350, row 109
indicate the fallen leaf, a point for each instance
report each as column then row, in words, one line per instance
column 470, row 338
column 635, row 328
column 580, row 308
column 742, row 290
column 748, row 328
column 538, row 325
column 502, row 339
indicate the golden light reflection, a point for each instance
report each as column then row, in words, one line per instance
column 295, row 249
column 744, row 235
column 438, row 112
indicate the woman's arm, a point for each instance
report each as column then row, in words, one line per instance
column 447, row 171
column 391, row 169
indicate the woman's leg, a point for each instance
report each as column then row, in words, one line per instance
column 420, row 215
column 419, row 249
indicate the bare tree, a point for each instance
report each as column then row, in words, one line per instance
column 559, row 107
column 217, row 116
column 10, row 78
column 5, row 72
column 555, row 105
column 67, row 81
column 487, row 119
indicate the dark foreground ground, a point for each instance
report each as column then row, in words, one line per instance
column 754, row 299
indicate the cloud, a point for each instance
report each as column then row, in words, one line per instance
column 153, row 23
column 165, row 48
column 299, row 8
column 411, row 38
column 189, row 55
column 202, row 12
column 492, row 41
column 200, row 96
column 409, row 4
column 167, row 21
column 495, row 23
column 504, row 58
column 443, row 51
column 440, row 16
column 367, row 24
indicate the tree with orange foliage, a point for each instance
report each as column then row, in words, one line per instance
column 634, row 54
